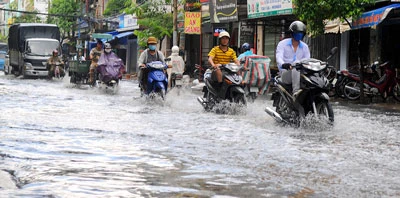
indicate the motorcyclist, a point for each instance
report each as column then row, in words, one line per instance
column 108, row 65
column 52, row 62
column 221, row 54
column 289, row 51
column 246, row 51
column 177, row 63
column 95, row 54
column 147, row 56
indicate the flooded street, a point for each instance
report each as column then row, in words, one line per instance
column 57, row 140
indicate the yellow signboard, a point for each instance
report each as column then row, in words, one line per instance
column 192, row 22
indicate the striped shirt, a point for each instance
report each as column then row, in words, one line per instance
column 221, row 57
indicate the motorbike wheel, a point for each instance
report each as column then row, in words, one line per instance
column 324, row 109
column 339, row 88
column 350, row 90
column 252, row 97
column 162, row 94
column 240, row 99
column 396, row 91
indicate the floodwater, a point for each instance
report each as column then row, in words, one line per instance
column 57, row 140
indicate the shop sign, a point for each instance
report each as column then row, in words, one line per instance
column 219, row 30
column 222, row 11
column 265, row 8
column 192, row 22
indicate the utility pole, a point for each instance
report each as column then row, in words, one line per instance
column 175, row 22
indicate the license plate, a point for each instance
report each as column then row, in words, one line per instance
column 334, row 81
column 178, row 82
column 253, row 89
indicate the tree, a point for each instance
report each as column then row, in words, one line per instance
column 114, row 7
column 66, row 23
column 314, row 12
column 154, row 18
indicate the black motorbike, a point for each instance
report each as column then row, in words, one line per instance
column 230, row 90
column 313, row 99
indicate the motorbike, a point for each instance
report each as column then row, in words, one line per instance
column 370, row 73
column 176, row 79
column 257, row 76
column 231, row 89
column 157, row 81
column 110, row 73
column 58, row 70
column 312, row 100
column 387, row 84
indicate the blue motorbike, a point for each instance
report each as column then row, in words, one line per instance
column 157, row 81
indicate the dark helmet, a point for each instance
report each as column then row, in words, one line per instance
column 245, row 46
column 55, row 52
column 297, row 26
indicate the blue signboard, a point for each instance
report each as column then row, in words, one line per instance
column 373, row 17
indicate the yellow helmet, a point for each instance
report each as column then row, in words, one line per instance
column 152, row 40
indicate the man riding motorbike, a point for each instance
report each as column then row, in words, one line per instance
column 147, row 56
column 95, row 54
column 246, row 51
column 52, row 63
column 221, row 54
column 110, row 66
column 289, row 51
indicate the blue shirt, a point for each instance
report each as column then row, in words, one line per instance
column 246, row 53
column 285, row 52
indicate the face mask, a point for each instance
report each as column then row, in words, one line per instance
column 298, row 36
column 107, row 50
column 152, row 47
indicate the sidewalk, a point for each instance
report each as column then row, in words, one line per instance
column 390, row 105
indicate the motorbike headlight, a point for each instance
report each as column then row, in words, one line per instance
column 28, row 66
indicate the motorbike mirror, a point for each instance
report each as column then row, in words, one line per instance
column 333, row 52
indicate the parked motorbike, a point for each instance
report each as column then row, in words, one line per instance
column 387, row 85
column 157, row 81
column 231, row 89
column 313, row 99
column 370, row 73
column 56, row 70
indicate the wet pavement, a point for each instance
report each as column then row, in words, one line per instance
column 57, row 140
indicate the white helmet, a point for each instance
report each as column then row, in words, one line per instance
column 222, row 34
column 175, row 49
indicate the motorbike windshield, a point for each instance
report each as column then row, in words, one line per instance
column 41, row 48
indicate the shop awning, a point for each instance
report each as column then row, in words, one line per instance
column 373, row 17
column 124, row 34
column 336, row 26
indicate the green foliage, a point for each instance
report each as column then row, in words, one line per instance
column 66, row 7
column 27, row 18
column 314, row 12
column 116, row 7
column 154, row 18
column 3, row 38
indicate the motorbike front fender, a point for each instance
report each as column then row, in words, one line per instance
column 237, row 89
column 323, row 96
column 160, row 85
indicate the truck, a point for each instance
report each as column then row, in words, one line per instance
column 30, row 45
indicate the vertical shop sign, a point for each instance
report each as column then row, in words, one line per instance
column 192, row 22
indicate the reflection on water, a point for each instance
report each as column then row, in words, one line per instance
column 58, row 140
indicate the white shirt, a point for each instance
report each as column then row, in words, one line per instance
column 285, row 52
